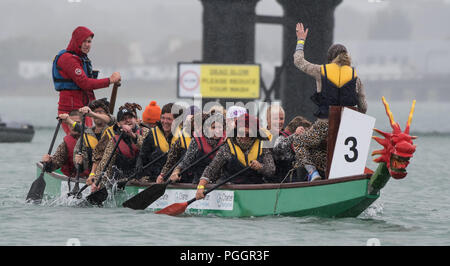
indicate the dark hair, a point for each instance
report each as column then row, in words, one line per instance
column 131, row 107
column 298, row 121
column 100, row 103
column 334, row 51
column 167, row 108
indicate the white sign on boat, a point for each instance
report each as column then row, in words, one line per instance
column 216, row 200
column 352, row 144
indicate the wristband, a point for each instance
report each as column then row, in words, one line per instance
column 91, row 174
column 301, row 41
column 200, row 187
column 74, row 124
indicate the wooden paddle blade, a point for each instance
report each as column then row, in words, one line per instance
column 98, row 197
column 174, row 209
column 36, row 191
column 142, row 200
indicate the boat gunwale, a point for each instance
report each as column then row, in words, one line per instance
column 235, row 186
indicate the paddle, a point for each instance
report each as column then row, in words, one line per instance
column 142, row 200
column 122, row 184
column 76, row 187
column 179, row 208
column 95, row 194
column 36, row 191
column 112, row 101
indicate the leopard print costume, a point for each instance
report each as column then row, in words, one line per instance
column 311, row 147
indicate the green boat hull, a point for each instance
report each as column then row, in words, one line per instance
column 343, row 197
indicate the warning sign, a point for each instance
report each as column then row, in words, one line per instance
column 218, row 81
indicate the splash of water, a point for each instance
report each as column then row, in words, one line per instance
column 64, row 200
column 374, row 210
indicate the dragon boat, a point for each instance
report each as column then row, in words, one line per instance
column 344, row 196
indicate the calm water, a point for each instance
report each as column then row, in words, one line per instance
column 412, row 211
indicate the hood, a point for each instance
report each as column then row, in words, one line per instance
column 78, row 36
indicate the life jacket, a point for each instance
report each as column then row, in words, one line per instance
column 268, row 133
column 160, row 141
column 285, row 133
column 240, row 160
column 127, row 153
column 89, row 142
column 109, row 132
column 62, row 83
column 203, row 148
column 184, row 137
column 338, row 88
column 68, row 169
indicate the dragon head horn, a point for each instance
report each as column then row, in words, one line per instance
column 408, row 124
column 395, row 126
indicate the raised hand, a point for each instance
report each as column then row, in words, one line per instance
column 301, row 32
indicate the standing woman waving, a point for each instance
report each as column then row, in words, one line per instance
column 73, row 76
column 337, row 84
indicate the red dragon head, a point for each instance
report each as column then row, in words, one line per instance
column 398, row 145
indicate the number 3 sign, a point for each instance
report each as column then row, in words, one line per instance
column 352, row 144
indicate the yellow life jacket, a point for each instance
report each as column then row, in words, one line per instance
column 184, row 137
column 109, row 132
column 269, row 135
column 160, row 141
column 338, row 75
column 90, row 141
column 254, row 154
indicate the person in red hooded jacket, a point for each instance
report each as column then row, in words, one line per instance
column 73, row 76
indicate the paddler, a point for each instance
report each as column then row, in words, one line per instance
column 73, row 76
column 337, row 84
column 232, row 113
column 157, row 143
column 124, row 159
column 98, row 110
column 283, row 151
column 208, row 135
column 183, row 138
column 63, row 157
column 242, row 150
column 275, row 116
